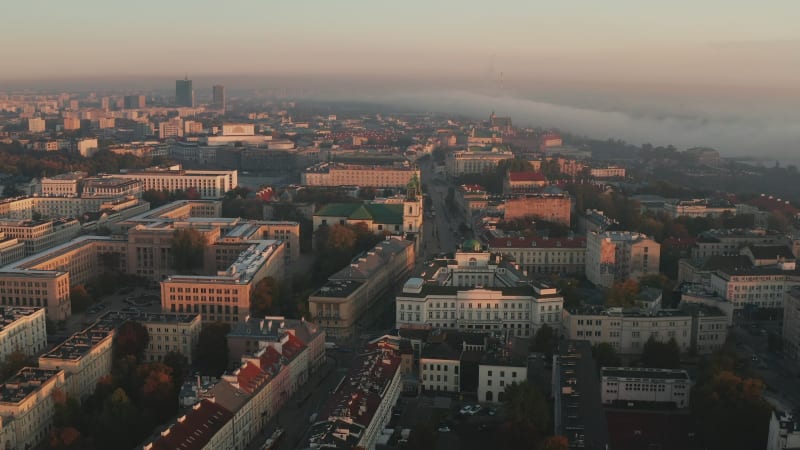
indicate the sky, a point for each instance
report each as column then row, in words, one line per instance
column 709, row 60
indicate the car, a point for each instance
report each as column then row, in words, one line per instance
column 443, row 429
column 492, row 411
column 754, row 357
column 475, row 409
column 466, row 410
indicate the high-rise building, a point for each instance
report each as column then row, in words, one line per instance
column 134, row 101
column 184, row 94
column 219, row 97
column 36, row 125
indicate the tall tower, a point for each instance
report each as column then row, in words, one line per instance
column 184, row 94
column 412, row 207
column 219, row 97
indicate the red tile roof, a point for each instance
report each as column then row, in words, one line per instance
column 195, row 429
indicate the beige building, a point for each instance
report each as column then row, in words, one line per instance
column 210, row 184
column 338, row 174
column 225, row 296
column 550, row 207
column 345, row 298
column 543, row 256
column 27, row 406
column 86, row 356
column 63, row 185
column 37, row 236
column 623, row 386
column 692, row 326
column 11, row 250
column 615, row 256
column 475, row 291
column 607, row 172
column 476, row 160
column 22, row 329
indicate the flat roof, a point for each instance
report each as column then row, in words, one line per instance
column 644, row 373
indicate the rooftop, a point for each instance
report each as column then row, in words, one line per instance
column 644, row 372
column 27, row 381
column 10, row 314
column 533, row 242
column 193, row 430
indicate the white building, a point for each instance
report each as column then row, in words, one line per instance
column 495, row 373
column 36, row 125
column 476, row 292
column 615, row 256
column 626, row 385
column 22, row 329
column 474, row 161
column 209, row 184
column 784, row 432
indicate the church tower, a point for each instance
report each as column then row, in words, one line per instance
column 412, row 207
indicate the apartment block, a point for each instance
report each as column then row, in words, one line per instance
column 27, row 406
column 358, row 410
column 349, row 293
column 22, row 329
column 614, row 256
column 475, row 160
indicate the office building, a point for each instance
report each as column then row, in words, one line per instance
column 358, row 410
column 475, row 160
column 615, row 256
column 210, row 184
column 543, row 256
column 36, row 125
column 22, row 329
column 477, row 291
column 134, row 101
column 225, row 297
column 628, row 386
column 39, row 235
column 63, row 185
column 340, row 174
column 700, row 208
column 607, row 172
column 27, row 406
column 347, row 296
column 72, row 123
column 184, row 94
column 218, row 98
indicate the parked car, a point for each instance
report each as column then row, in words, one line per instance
column 443, row 429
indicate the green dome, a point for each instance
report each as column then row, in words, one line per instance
column 471, row 245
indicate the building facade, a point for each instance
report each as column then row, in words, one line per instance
column 615, row 256
column 544, row 256
column 626, row 385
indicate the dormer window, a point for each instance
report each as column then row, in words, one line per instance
column 533, row 243
column 508, row 243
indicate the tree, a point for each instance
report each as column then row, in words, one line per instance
column 606, row 356
column 64, row 438
column 11, row 190
column 264, row 297
column 622, row 294
column 730, row 411
column 158, row 395
column 188, row 247
column 212, row 352
column 79, row 298
column 554, row 443
column 661, row 355
column 341, row 237
column 179, row 365
column 13, row 362
column 527, row 415
column 131, row 339
column 544, row 341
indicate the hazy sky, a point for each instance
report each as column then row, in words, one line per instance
column 722, row 73
column 733, row 41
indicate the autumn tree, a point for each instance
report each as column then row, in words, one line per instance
column 131, row 339
column 212, row 352
column 265, row 297
column 554, row 443
column 622, row 294
column 79, row 298
column 730, row 411
column 158, row 396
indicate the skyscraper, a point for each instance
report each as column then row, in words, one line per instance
column 184, row 95
column 219, row 97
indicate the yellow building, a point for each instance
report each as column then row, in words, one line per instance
column 27, row 406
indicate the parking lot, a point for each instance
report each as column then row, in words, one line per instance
column 444, row 414
column 132, row 299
